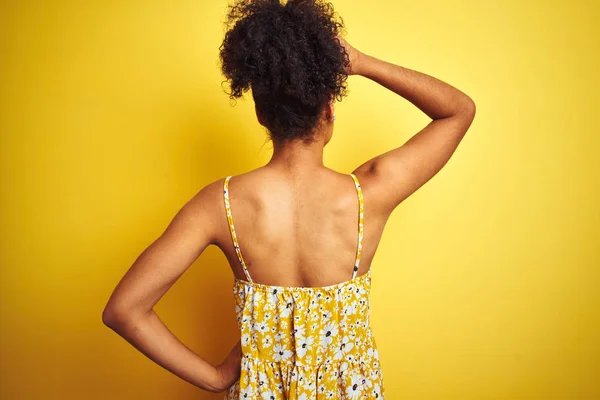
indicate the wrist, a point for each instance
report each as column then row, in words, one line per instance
column 358, row 63
column 367, row 67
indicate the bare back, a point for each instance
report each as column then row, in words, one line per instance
column 299, row 231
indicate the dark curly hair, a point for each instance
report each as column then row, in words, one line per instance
column 290, row 57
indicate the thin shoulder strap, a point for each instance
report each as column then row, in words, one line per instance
column 361, row 213
column 232, row 227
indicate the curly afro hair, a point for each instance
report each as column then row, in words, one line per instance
column 290, row 57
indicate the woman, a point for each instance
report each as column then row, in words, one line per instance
column 295, row 245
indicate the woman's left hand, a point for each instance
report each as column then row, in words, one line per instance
column 229, row 370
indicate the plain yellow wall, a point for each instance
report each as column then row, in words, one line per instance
column 485, row 286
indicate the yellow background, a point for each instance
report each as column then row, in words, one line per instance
column 485, row 286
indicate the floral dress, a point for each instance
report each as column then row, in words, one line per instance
column 305, row 342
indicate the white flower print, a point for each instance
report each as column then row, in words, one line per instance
column 273, row 296
column 351, row 308
column 285, row 312
column 322, row 388
column 280, row 353
column 344, row 368
column 376, row 392
column 345, row 346
column 262, row 378
column 253, row 378
column 328, row 332
column 245, row 339
column 355, row 389
column 372, row 353
column 319, row 359
column 267, row 341
column 263, row 327
column 304, row 344
column 247, row 393
column 268, row 395
column 266, row 305
column 299, row 331
column 366, row 382
column 279, row 336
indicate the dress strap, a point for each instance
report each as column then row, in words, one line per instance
column 232, row 227
column 361, row 213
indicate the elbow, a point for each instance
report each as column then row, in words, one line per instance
column 109, row 317
column 118, row 317
column 113, row 317
column 469, row 107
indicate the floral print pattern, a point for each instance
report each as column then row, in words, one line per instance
column 306, row 343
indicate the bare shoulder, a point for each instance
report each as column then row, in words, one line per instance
column 373, row 190
column 206, row 208
column 210, row 196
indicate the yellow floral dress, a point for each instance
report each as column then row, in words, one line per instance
column 305, row 342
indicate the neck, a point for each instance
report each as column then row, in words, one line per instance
column 297, row 156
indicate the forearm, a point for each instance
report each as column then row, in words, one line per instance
column 434, row 97
column 151, row 336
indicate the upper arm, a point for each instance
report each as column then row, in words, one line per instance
column 159, row 266
column 395, row 175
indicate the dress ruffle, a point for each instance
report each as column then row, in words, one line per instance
column 306, row 343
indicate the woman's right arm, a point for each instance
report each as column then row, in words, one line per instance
column 396, row 174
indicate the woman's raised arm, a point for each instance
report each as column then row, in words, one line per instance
column 398, row 173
